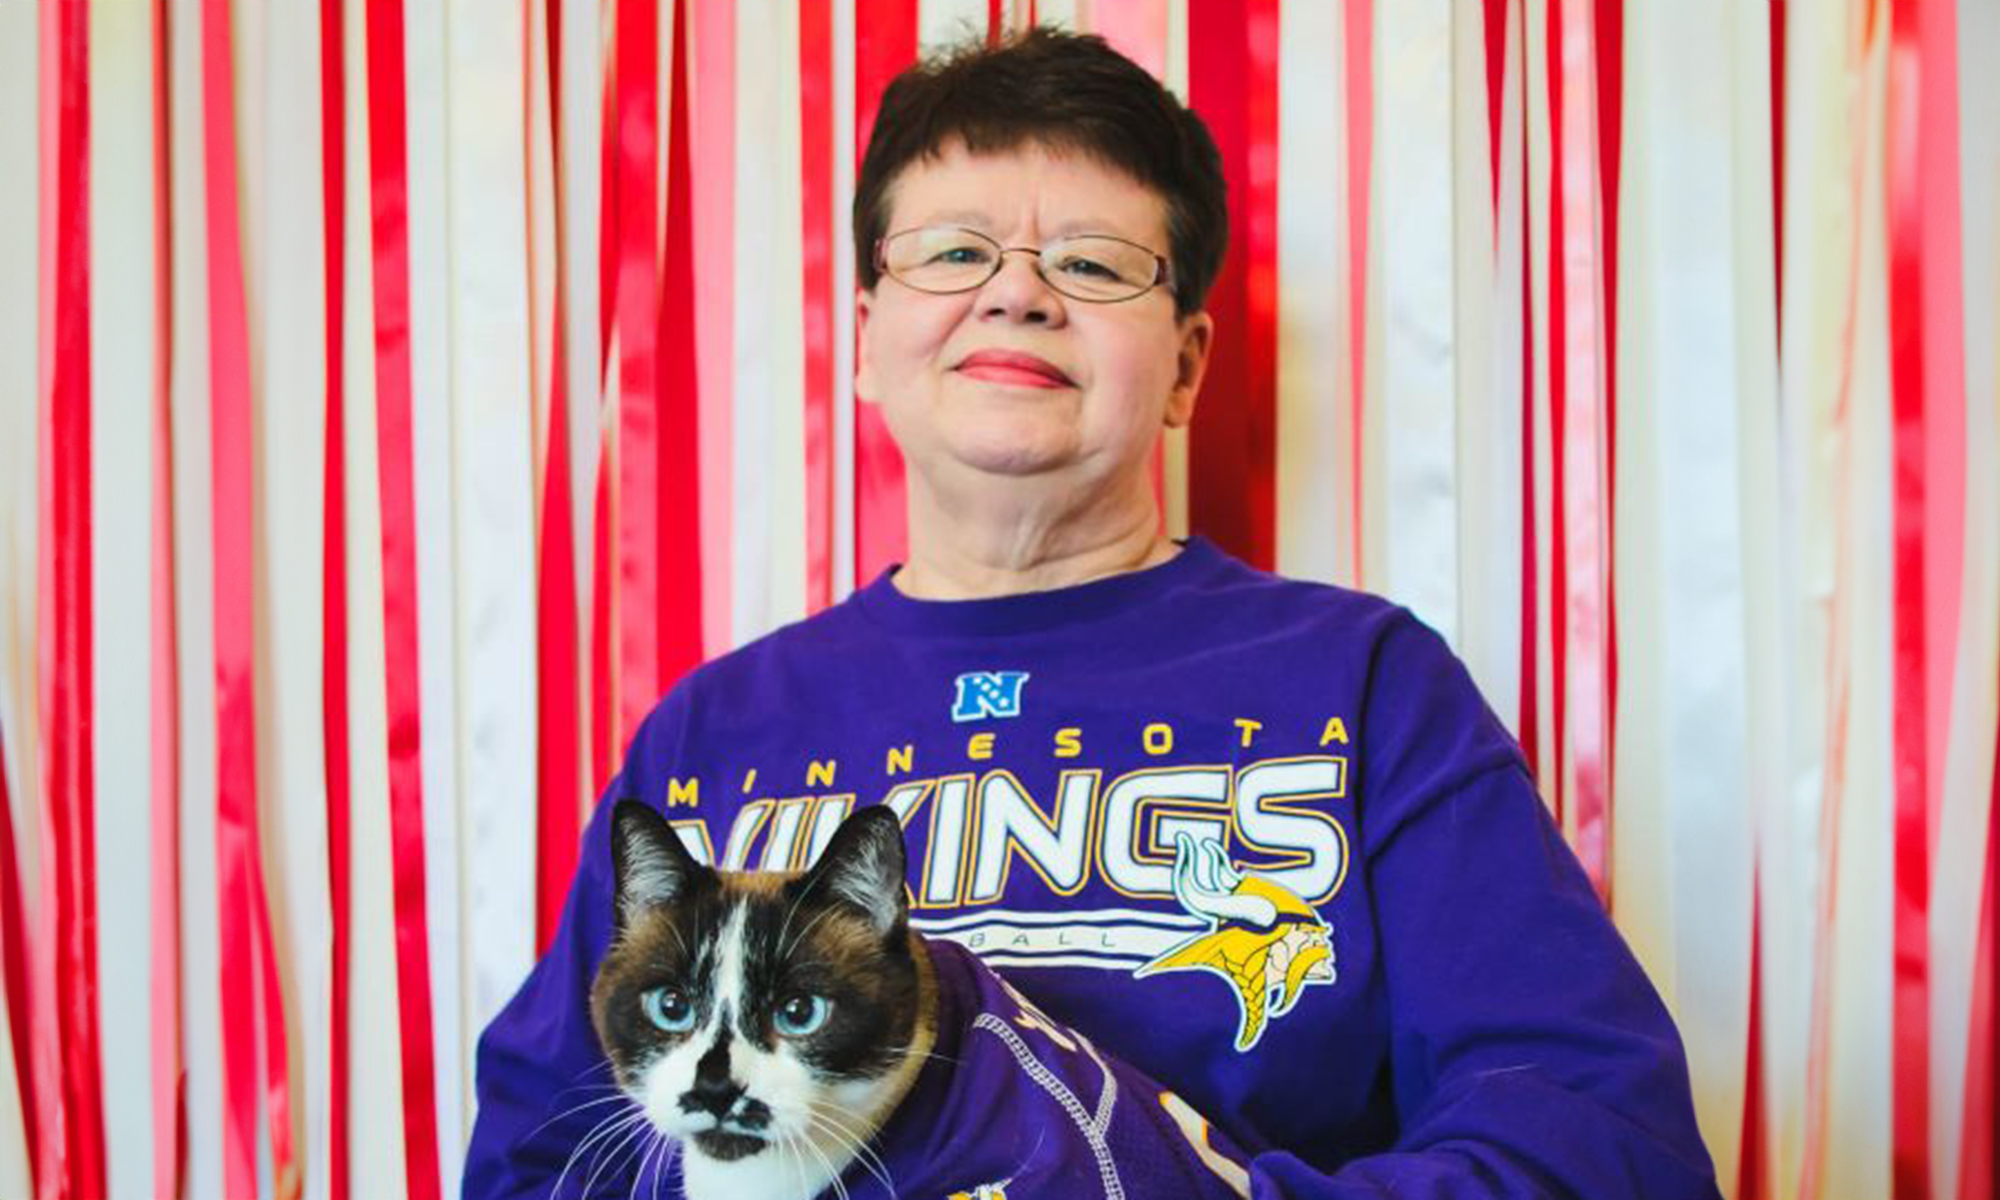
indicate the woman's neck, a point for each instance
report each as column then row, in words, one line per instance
column 1000, row 550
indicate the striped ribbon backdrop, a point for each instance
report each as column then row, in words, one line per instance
column 375, row 447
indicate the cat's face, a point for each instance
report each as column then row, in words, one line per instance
column 760, row 1016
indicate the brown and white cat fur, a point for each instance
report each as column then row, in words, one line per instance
column 768, row 1022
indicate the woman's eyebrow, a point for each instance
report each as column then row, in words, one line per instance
column 961, row 216
column 1080, row 225
column 973, row 219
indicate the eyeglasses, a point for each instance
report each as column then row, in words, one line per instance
column 1095, row 268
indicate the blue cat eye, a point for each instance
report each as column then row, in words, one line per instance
column 802, row 1015
column 669, row 1008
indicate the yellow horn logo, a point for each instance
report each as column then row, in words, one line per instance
column 1265, row 941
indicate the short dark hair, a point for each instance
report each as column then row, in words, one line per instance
column 1065, row 91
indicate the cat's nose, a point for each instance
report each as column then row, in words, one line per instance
column 711, row 1095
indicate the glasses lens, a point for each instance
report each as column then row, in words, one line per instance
column 940, row 259
column 1099, row 268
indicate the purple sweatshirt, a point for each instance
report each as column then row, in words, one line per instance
column 1259, row 838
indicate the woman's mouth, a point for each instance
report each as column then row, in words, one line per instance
column 1013, row 369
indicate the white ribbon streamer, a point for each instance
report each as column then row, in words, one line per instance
column 492, row 539
column 1416, row 181
column 122, row 355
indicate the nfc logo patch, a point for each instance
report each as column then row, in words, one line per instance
column 983, row 694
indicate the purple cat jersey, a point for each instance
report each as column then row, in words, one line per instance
column 1015, row 1107
column 1259, row 838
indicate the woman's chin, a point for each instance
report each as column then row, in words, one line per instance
column 1013, row 452
column 1012, row 462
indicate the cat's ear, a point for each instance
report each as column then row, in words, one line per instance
column 863, row 866
column 650, row 865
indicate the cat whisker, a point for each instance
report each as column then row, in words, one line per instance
column 602, row 1064
column 673, row 1151
column 601, row 1134
column 1022, row 1167
column 839, row 1186
column 787, row 951
column 679, row 940
column 645, row 1160
column 834, row 1121
column 605, row 1158
column 796, row 901
column 891, row 1057
column 793, row 1160
column 785, row 925
column 654, row 1159
column 577, row 1109
column 621, row 1157
column 607, row 1127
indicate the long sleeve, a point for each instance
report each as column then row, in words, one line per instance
column 540, row 1073
column 542, row 1081
column 1530, row 1055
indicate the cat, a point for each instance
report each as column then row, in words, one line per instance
column 769, row 1026
column 767, row 1022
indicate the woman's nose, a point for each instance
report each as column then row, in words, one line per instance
column 1018, row 292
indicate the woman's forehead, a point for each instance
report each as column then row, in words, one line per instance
column 1055, row 191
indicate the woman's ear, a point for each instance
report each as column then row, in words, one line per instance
column 1197, row 336
column 864, row 370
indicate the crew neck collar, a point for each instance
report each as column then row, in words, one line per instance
column 1030, row 612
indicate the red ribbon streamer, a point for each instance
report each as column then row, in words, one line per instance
column 169, row 1076
column 1360, row 54
column 67, row 1058
column 1558, row 370
column 1579, row 434
column 1976, row 1167
column 1608, row 67
column 13, row 970
column 603, row 745
column 333, row 677
column 816, row 271
column 558, row 808
column 1530, row 647
column 1496, row 12
column 1778, row 40
column 600, row 742
column 677, row 482
column 609, row 152
column 637, row 499
column 1909, row 126
column 1753, row 1173
column 885, row 41
column 1233, row 83
column 252, row 1002
column 388, row 155
column 559, row 814
column 1750, row 1168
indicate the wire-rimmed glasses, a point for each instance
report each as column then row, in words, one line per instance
column 1095, row 268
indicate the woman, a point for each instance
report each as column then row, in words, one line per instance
column 1260, row 838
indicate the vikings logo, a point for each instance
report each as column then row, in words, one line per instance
column 985, row 1191
column 1263, row 939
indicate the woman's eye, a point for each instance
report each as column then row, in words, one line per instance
column 1087, row 267
column 959, row 256
column 669, row 1009
column 801, row 1015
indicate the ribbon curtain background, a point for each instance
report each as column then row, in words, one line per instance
column 396, row 397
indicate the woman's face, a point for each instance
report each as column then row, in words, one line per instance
column 1014, row 379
